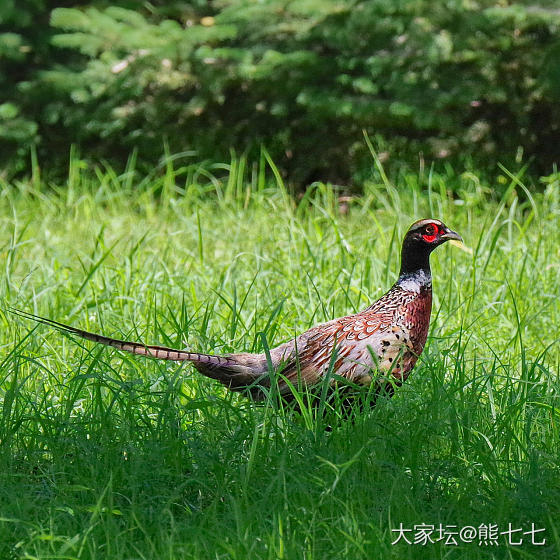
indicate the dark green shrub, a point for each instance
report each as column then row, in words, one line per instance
column 305, row 78
column 24, row 34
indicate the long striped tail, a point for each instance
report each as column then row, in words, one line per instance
column 150, row 351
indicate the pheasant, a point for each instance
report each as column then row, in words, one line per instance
column 382, row 341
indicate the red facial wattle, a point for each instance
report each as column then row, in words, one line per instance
column 432, row 236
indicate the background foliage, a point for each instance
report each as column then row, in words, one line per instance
column 304, row 78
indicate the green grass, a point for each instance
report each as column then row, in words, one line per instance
column 105, row 455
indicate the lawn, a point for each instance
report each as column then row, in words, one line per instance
column 107, row 455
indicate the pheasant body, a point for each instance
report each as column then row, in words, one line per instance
column 385, row 339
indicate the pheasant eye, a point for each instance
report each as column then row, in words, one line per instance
column 430, row 233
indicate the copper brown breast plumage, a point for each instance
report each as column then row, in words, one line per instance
column 385, row 339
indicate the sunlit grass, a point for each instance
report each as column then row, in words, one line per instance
column 105, row 455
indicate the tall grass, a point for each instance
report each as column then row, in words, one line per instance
column 105, row 455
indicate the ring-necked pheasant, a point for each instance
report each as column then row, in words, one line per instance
column 385, row 339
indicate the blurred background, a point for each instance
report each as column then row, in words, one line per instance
column 468, row 82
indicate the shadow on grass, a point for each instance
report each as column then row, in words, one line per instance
column 166, row 466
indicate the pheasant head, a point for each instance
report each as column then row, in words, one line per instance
column 421, row 239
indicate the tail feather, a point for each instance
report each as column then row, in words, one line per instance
column 150, row 351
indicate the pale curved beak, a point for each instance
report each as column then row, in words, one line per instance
column 450, row 234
